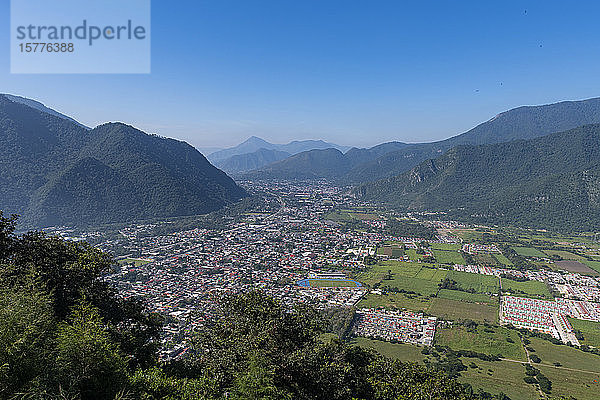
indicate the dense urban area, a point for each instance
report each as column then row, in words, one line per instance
column 489, row 302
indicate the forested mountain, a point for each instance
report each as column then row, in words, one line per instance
column 254, row 144
column 251, row 161
column 551, row 182
column 389, row 159
column 54, row 171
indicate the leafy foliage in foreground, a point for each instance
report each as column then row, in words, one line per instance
column 65, row 334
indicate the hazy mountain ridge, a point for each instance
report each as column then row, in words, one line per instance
column 389, row 159
column 251, row 161
column 551, row 181
column 53, row 171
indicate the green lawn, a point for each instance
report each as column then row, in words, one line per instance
column 431, row 274
column 448, row 257
column 529, row 288
column 458, row 338
column 479, row 283
column 467, row 297
column 460, row 310
column 412, row 254
column 590, row 331
column 529, row 252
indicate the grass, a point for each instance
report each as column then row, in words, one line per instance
column 506, row 377
column 572, row 384
column 568, row 356
column 479, row 283
column 467, row 297
column 529, row 252
column 484, row 259
column 395, row 300
column 502, row 259
column 412, row 254
column 407, row 276
column 595, row 265
column 399, row 351
column 448, row 257
column 459, row 338
column 590, row 331
column 460, row 310
column 446, row 246
column 331, row 283
column 565, row 255
column 529, row 288
column 421, row 286
column 431, row 274
column 135, row 261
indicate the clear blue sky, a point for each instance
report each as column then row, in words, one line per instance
column 352, row 72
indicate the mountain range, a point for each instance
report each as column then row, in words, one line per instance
column 255, row 153
column 55, row 171
column 366, row 165
column 551, row 181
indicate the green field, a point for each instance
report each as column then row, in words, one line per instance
column 448, row 257
column 568, row 356
column 408, row 276
column 331, row 283
column 595, row 265
column 398, row 351
column 484, row 259
column 572, row 384
column 590, row 331
column 460, row 310
column 506, row 377
column 412, row 254
column 467, row 297
column 459, row 338
column 502, row 259
column 446, row 246
column 529, row 252
column 565, row 255
column 395, row 300
column 135, row 261
column 479, row 283
column 529, row 288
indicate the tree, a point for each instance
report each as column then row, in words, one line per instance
column 88, row 362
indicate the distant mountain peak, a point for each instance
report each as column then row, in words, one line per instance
column 41, row 107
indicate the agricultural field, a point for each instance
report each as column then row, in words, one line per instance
column 565, row 255
column 590, row 331
column 411, row 277
column 448, row 257
column 529, row 252
column 395, row 301
column 479, row 283
column 574, row 266
column 506, row 377
column 467, row 297
column 446, row 246
column 501, row 259
column 488, row 340
column 595, row 265
column 460, row 310
column 412, row 254
column 528, row 288
column 484, row 259
column 398, row 351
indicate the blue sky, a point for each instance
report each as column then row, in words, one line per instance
column 352, row 72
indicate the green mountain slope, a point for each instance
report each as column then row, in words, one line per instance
column 389, row 159
column 53, row 171
column 551, row 182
